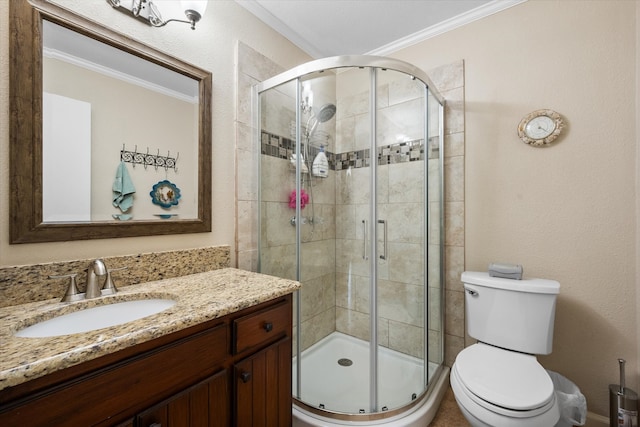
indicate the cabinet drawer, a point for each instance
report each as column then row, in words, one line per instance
column 261, row 327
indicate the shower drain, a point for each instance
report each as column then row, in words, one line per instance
column 345, row 362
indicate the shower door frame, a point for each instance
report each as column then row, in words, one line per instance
column 374, row 63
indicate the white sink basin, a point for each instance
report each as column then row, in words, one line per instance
column 94, row 318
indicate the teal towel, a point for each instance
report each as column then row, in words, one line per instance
column 123, row 189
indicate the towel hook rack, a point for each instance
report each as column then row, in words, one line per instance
column 156, row 160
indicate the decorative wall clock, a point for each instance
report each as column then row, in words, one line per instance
column 540, row 127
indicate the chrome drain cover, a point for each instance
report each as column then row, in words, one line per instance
column 345, row 362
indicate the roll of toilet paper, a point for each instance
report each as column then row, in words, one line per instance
column 505, row 271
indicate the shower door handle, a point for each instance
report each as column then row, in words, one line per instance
column 364, row 240
column 384, row 242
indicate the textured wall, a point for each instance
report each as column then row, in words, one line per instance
column 566, row 212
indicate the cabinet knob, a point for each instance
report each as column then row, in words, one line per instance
column 245, row 377
column 156, row 425
column 268, row 326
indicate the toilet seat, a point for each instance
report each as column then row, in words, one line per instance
column 510, row 383
column 480, row 413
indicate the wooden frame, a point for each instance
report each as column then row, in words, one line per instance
column 25, row 158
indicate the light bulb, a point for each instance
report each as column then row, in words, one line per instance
column 199, row 6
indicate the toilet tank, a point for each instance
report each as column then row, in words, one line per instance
column 513, row 314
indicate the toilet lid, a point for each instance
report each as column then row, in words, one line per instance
column 504, row 378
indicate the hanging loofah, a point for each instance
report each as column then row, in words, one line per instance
column 304, row 199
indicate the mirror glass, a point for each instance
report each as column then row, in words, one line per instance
column 114, row 125
column 108, row 138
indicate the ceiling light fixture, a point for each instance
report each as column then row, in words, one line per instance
column 147, row 11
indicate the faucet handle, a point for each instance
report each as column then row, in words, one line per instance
column 72, row 293
column 109, row 287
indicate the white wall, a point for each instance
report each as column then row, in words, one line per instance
column 211, row 46
column 566, row 212
column 66, row 139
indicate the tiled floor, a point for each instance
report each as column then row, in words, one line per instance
column 449, row 414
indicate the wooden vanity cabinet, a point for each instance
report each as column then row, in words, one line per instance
column 232, row 371
column 262, row 380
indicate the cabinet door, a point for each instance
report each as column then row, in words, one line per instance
column 263, row 387
column 204, row 404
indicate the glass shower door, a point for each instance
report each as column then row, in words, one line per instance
column 400, row 126
column 353, row 176
column 365, row 241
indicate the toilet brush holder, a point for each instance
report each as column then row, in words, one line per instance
column 623, row 403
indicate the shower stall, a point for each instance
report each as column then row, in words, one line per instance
column 363, row 234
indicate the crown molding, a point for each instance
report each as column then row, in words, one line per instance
column 280, row 27
column 450, row 24
column 110, row 72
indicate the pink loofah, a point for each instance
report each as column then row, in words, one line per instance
column 304, row 199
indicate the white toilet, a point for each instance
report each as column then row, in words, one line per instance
column 498, row 381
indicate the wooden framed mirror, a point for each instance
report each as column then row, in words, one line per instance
column 29, row 20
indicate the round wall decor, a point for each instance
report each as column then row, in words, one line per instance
column 540, row 127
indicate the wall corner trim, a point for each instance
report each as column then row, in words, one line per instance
column 479, row 12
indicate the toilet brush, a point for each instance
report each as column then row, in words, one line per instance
column 623, row 403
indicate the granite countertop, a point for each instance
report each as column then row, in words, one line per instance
column 199, row 298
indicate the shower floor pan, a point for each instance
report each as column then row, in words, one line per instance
column 335, row 376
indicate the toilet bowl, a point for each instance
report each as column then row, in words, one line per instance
column 495, row 387
column 498, row 381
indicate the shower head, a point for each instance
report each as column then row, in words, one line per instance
column 326, row 112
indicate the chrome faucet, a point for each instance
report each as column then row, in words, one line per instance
column 96, row 268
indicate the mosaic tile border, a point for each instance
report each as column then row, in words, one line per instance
column 409, row 151
column 353, row 159
column 282, row 148
column 402, row 152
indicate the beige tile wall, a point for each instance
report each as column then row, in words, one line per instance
column 449, row 80
column 400, row 203
column 251, row 68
